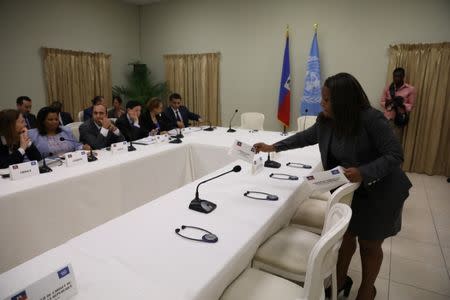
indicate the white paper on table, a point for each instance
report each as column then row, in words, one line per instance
column 242, row 151
column 326, row 180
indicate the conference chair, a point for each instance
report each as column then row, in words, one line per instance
column 81, row 116
column 304, row 122
column 75, row 129
column 252, row 120
column 256, row 284
column 310, row 214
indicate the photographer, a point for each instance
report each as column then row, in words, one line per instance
column 397, row 101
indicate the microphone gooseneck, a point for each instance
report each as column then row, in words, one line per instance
column 206, row 206
column 229, row 128
column 304, row 121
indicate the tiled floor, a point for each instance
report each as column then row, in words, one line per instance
column 417, row 261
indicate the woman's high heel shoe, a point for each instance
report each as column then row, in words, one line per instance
column 346, row 287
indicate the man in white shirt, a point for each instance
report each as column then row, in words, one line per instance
column 99, row 132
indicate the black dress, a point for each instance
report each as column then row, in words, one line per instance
column 369, row 221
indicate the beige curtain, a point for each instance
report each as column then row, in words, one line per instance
column 426, row 139
column 76, row 77
column 196, row 78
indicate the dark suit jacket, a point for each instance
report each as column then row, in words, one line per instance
column 375, row 151
column 129, row 131
column 147, row 124
column 66, row 118
column 7, row 159
column 87, row 114
column 90, row 134
column 30, row 121
column 170, row 120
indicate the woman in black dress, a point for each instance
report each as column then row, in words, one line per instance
column 352, row 134
column 151, row 120
column 15, row 144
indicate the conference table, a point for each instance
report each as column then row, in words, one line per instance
column 114, row 219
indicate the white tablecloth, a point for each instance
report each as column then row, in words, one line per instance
column 142, row 246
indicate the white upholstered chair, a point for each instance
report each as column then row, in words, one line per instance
column 75, row 129
column 252, row 120
column 304, row 122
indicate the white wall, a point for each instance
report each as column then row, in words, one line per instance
column 353, row 37
column 108, row 26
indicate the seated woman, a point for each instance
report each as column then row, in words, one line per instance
column 50, row 138
column 15, row 144
column 117, row 109
column 150, row 121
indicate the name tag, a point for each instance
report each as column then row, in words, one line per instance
column 149, row 140
column 162, row 138
column 258, row 164
column 24, row 170
column 243, row 151
column 75, row 158
column 120, row 147
column 326, row 180
column 188, row 130
column 59, row 285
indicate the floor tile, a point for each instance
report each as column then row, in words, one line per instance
column 382, row 286
column 421, row 275
column 418, row 251
column 398, row 291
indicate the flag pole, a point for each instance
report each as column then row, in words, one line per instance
column 284, row 125
column 315, row 26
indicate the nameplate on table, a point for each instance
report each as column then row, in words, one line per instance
column 151, row 139
column 75, row 158
column 120, row 147
column 326, row 180
column 258, row 164
column 24, row 170
column 59, row 285
column 188, row 130
column 242, row 151
column 162, row 138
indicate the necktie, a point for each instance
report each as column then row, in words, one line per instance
column 178, row 116
column 28, row 123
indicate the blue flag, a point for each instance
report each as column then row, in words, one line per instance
column 310, row 104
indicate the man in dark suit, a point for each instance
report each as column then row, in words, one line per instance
column 129, row 123
column 99, row 132
column 177, row 115
column 24, row 106
column 87, row 113
column 64, row 117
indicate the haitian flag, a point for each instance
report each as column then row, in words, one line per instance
column 310, row 104
column 284, row 100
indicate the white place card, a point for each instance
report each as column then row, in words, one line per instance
column 76, row 158
column 188, row 130
column 120, row 147
column 162, row 138
column 59, row 285
column 326, row 180
column 24, row 170
column 258, row 164
column 242, row 151
column 151, row 139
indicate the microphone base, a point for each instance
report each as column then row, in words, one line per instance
column 91, row 158
column 179, row 136
column 203, row 206
column 209, row 129
column 131, row 148
column 176, row 141
column 44, row 169
column 231, row 130
column 272, row 164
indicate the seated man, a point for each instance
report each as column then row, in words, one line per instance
column 23, row 104
column 129, row 123
column 99, row 132
column 87, row 113
column 177, row 115
column 64, row 117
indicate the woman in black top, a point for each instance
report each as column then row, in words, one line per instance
column 150, row 121
column 352, row 134
column 14, row 141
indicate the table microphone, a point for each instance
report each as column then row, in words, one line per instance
column 231, row 129
column 44, row 168
column 131, row 147
column 210, row 128
column 271, row 163
column 91, row 157
column 206, row 206
column 304, row 121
